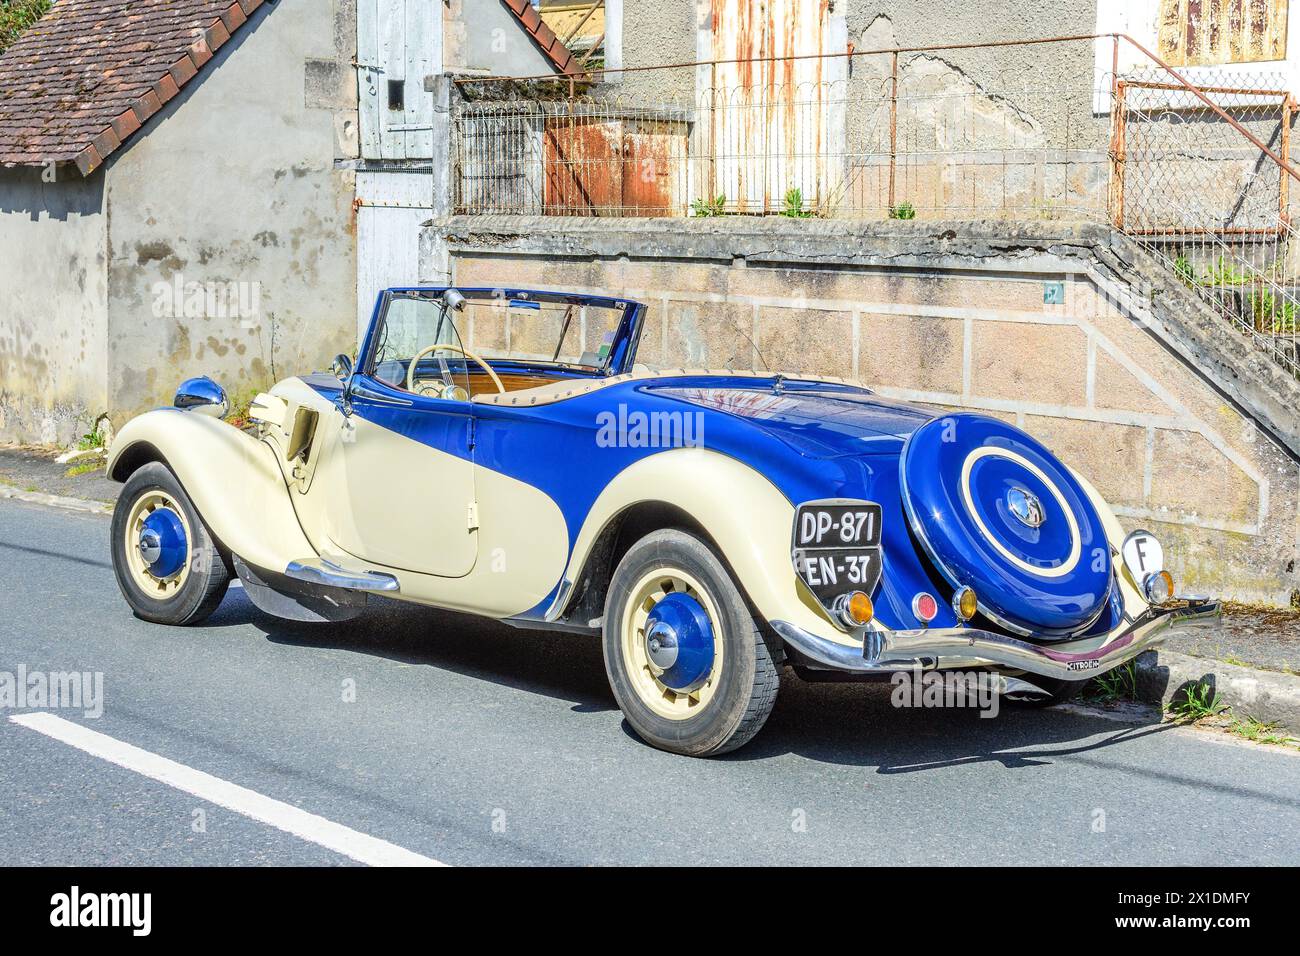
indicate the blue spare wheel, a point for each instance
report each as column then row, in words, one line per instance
column 996, row 511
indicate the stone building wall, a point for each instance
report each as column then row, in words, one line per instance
column 220, row 240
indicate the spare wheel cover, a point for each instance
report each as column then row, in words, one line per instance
column 995, row 510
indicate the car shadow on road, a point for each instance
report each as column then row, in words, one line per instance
column 846, row 724
column 566, row 667
column 858, row 725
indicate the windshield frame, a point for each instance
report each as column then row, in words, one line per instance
column 622, row 352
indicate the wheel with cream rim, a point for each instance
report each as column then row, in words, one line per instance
column 167, row 564
column 686, row 662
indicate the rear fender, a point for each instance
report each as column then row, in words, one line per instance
column 233, row 479
column 1134, row 602
column 743, row 513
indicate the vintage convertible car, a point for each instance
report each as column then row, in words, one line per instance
column 501, row 452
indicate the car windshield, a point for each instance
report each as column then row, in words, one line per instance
column 563, row 331
column 533, row 330
column 431, row 334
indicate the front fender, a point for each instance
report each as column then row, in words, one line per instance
column 232, row 478
column 746, row 516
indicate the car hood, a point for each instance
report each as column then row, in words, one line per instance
column 816, row 419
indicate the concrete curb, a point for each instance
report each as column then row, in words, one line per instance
column 57, row 501
column 1269, row 696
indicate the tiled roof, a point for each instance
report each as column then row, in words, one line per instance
column 89, row 73
column 543, row 36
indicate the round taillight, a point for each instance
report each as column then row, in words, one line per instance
column 854, row 609
column 1158, row 588
column 925, row 608
column 965, row 603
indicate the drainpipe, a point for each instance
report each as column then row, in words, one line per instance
column 434, row 259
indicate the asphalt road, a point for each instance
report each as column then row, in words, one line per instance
column 473, row 743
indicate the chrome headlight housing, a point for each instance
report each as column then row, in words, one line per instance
column 202, row 395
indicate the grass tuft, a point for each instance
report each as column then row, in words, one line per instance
column 1119, row 684
column 1197, row 702
column 794, row 205
column 716, row 206
column 1259, row 731
column 92, row 439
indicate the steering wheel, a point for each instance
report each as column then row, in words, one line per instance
column 410, row 372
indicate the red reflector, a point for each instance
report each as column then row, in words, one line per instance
column 925, row 607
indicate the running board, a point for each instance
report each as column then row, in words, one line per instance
column 330, row 572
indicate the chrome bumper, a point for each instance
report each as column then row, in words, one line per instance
column 885, row 651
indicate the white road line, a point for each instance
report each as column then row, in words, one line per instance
column 307, row 826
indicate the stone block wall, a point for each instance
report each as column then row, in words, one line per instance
column 1044, row 340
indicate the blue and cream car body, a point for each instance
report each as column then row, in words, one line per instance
column 710, row 524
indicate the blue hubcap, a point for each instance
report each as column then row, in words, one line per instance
column 679, row 639
column 162, row 543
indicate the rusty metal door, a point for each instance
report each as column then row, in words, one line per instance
column 654, row 154
column 608, row 166
column 769, row 125
column 1215, row 32
column 584, row 166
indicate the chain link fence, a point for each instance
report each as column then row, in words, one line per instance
column 1211, row 203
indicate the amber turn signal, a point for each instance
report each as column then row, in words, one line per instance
column 1159, row 587
column 965, row 603
column 854, row 609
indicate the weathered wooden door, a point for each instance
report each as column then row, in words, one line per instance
column 391, row 206
column 399, row 43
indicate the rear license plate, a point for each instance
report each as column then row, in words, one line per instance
column 836, row 548
column 841, row 525
column 830, row 572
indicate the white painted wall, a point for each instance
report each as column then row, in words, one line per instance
column 235, row 181
column 53, row 304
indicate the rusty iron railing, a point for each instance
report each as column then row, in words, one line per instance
column 895, row 133
column 1197, row 173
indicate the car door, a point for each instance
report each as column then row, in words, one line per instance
column 401, row 489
